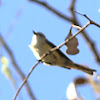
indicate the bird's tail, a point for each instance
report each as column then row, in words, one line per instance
column 83, row 68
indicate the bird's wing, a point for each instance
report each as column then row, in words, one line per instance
column 58, row 50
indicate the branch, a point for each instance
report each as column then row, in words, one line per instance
column 91, row 21
column 81, row 29
column 88, row 39
column 53, row 10
column 84, row 34
column 25, row 80
column 17, row 68
column 74, row 21
column 53, row 49
column 44, row 55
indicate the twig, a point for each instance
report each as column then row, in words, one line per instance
column 88, row 39
column 53, row 10
column 71, row 8
column 91, row 21
column 77, row 27
column 17, row 68
column 84, row 34
column 71, row 37
column 25, row 80
column 14, row 20
column 47, row 53
column 75, row 21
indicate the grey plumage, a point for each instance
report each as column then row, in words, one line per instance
column 41, row 45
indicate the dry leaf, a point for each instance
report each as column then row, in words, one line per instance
column 72, row 45
column 80, row 81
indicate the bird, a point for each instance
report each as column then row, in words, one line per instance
column 41, row 45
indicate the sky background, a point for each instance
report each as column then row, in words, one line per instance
column 47, row 83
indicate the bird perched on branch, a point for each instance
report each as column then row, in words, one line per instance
column 40, row 45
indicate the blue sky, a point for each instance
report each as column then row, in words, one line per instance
column 47, row 83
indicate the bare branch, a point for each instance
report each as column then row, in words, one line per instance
column 91, row 21
column 63, row 16
column 75, row 21
column 71, row 37
column 53, row 10
column 25, row 80
column 44, row 55
column 17, row 68
column 72, row 8
column 88, row 39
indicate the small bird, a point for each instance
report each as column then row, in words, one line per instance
column 41, row 45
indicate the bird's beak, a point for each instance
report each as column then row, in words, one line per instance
column 34, row 32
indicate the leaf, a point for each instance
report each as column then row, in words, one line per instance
column 72, row 45
column 80, row 81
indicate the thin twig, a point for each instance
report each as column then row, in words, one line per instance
column 91, row 21
column 53, row 10
column 53, row 49
column 77, row 27
column 25, row 80
column 71, row 37
column 74, row 21
column 17, row 68
column 71, row 8
column 47, row 53
column 14, row 20
column 84, row 34
column 88, row 39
